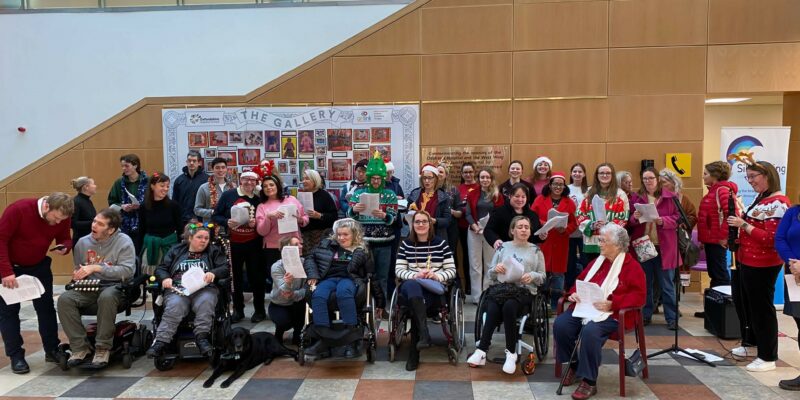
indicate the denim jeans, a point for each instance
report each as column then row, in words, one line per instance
column 345, row 297
column 666, row 278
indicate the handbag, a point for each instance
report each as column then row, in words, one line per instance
column 500, row 292
column 644, row 248
column 431, row 285
column 634, row 365
column 690, row 253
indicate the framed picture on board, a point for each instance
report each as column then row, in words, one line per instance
column 306, row 140
column 283, row 167
column 235, row 137
column 218, row 138
column 321, row 151
column 340, row 169
column 384, row 149
column 359, row 155
column 254, row 138
column 273, row 142
column 303, row 165
column 361, row 135
column 288, row 147
column 381, row 135
column 209, row 154
column 229, row 156
column 249, row 156
column 340, row 139
column 198, row 139
column 320, row 162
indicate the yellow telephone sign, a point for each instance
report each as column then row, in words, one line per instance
column 681, row 163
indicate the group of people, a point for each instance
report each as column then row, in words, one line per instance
column 346, row 241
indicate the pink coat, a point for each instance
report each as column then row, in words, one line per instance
column 667, row 233
column 268, row 227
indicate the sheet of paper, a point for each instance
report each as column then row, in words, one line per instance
column 131, row 197
column 792, row 287
column 240, row 214
column 290, row 255
column 514, row 271
column 409, row 217
column 288, row 223
column 402, row 204
column 726, row 289
column 29, row 288
column 192, row 281
column 599, row 207
column 648, row 211
column 558, row 221
column 371, row 200
column 483, row 221
column 589, row 293
column 306, row 199
column 708, row 356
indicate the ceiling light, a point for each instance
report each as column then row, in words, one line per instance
column 726, row 100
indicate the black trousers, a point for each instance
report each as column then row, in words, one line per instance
column 574, row 265
column 288, row 318
column 507, row 314
column 248, row 253
column 753, row 292
column 716, row 257
column 465, row 268
column 45, row 312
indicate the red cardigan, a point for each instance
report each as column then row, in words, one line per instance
column 472, row 202
column 25, row 236
column 630, row 291
column 556, row 247
column 758, row 248
column 464, row 190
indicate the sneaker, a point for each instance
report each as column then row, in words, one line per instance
column 79, row 357
column 477, row 359
column 510, row 366
column 203, row 345
column 672, row 325
column 759, row 365
column 101, row 356
column 740, row 351
column 790, row 384
column 584, row 391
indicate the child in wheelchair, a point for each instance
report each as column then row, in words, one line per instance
column 511, row 293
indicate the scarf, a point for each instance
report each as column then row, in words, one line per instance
column 609, row 283
column 428, row 202
column 130, row 220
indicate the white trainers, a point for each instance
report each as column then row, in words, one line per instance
column 759, row 365
column 477, row 359
column 740, row 351
column 510, row 366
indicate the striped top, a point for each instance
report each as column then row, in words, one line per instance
column 413, row 258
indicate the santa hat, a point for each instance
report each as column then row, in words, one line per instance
column 540, row 159
column 389, row 166
column 248, row 174
column 558, row 175
column 430, row 168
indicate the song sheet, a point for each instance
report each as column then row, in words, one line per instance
column 306, row 199
column 588, row 293
column 648, row 211
column 288, row 223
column 290, row 255
column 30, row 288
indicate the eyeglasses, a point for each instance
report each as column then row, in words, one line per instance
column 604, row 173
column 556, row 185
column 649, row 178
column 427, row 178
column 751, row 177
column 421, row 222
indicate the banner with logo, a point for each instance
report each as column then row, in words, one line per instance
column 328, row 139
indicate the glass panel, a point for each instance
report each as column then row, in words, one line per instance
column 140, row 3
column 10, row 4
column 196, row 2
column 36, row 4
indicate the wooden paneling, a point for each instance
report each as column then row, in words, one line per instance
column 664, row 70
column 311, row 86
column 658, row 23
column 561, row 73
column 560, row 121
column 570, row 25
column 385, row 78
column 466, row 76
column 3, row 202
column 749, row 21
column 754, row 68
column 466, row 123
column 791, row 114
column 141, row 129
column 467, row 29
column 103, row 166
column 793, row 172
column 456, row 3
column 400, row 37
column 628, row 156
column 656, row 118
column 563, row 155
column 55, row 175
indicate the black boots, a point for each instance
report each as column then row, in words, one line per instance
column 156, row 349
column 413, row 354
column 203, row 345
column 420, row 318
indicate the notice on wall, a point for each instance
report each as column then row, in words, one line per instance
column 495, row 157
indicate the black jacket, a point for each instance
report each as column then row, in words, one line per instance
column 184, row 191
column 82, row 217
column 323, row 204
column 214, row 257
column 318, row 263
column 500, row 222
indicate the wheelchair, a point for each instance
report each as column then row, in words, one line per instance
column 337, row 337
column 536, row 322
column 131, row 339
column 451, row 313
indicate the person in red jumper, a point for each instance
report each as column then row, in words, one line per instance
column 758, row 265
column 27, row 228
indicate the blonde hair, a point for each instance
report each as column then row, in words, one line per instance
column 58, row 201
column 672, row 176
column 315, row 178
column 493, row 190
column 355, row 229
column 79, row 182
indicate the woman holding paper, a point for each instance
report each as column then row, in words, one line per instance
column 287, row 307
column 323, row 213
column 787, row 243
column 605, row 191
column 194, row 252
column 522, row 264
column 479, row 204
column 661, row 231
column 424, row 261
column 622, row 281
column 555, row 197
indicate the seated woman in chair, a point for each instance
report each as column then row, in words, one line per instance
column 505, row 303
column 339, row 264
column 424, row 264
column 623, row 283
column 195, row 251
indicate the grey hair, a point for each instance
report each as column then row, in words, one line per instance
column 672, row 176
column 315, row 178
column 621, row 175
column 619, row 235
column 355, row 229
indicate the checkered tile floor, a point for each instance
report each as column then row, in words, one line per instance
column 670, row 376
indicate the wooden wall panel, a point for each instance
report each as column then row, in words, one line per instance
column 563, row 155
column 658, row 23
column 791, row 114
column 754, row 68
column 467, row 29
column 749, row 21
column 560, row 121
column 561, row 73
column 793, row 170
column 313, row 85
column 3, row 202
column 656, row 118
column 140, row 130
column 466, row 123
column 663, row 70
column 103, row 166
column 466, row 76
column 456, row 3
column 55, row 175
column 399, row 37
column 628, row 156
column 572, row 25
column 385, row 78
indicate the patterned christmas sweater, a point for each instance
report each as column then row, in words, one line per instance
column 376, row 230
column 758, row 248
column 616, row 212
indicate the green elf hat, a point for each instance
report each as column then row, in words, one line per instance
column 376, row 166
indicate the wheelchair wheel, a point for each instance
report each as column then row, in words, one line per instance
column 479, row 319
column 372, row 354
column 301, row 356
column 541, row 326
column 392, row 352
column 164, row 364
column 456, row 319
column 127, row 360
column 397, row 325
column 452, row 355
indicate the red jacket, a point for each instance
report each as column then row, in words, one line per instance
column 630, row 291
column 464, row 190
column 556, row 247
column 710, row 229
column 472, row 202
column 758, row 248
column 25, row 236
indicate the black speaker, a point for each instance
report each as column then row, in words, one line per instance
column 648, row 163
column 721, row 318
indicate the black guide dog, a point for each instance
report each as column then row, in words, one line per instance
column 244, row 351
